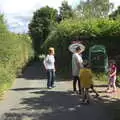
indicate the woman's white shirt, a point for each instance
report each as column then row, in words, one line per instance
column 77, row 64
column 49, row 62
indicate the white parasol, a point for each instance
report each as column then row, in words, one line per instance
column 72, row 47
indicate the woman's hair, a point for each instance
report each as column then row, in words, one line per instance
column 51, row 49
column 78, row 48
column 112, row 62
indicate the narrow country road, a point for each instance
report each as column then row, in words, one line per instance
column 29, row 99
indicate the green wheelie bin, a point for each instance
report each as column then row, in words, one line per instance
column 98, row 58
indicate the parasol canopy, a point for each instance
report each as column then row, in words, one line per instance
column 72, row 47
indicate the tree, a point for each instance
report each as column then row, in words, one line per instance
column 115, row 14
column 94, row 8
column 41, row 25
column 84, row 9
column 3, row 26
column 65, row 10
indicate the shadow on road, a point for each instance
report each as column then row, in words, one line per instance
column 54, row 105
column 45, row 104
column 34, row 71
column 101, row 85
column 29, row 88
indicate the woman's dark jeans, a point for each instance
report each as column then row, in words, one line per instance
column 75, row 80
column 50, row 77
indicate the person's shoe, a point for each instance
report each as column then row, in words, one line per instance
column 114, row 91
column 53, row 86
column 86, row 101
column 74, row 92
column 83, row 101
column 80, row 93
column 49, row 87
column 108, row 91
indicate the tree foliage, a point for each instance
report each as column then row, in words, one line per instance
column 40, row 26
column 115, row 14
column 15, row 52
column 66, row 10
column 94, row 8
column 95, row 31
column 3, row 26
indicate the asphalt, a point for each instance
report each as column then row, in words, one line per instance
column 29, row 99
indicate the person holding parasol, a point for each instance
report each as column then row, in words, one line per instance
column 77, row 64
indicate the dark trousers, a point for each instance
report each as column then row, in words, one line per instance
column 50, row 77
column 75, row 80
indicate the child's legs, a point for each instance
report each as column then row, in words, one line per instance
column 114, row 83
column 83, row 93
column 109, row 83
column 86, row 94
column 92, row 87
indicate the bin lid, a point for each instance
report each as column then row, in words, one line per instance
column 98, row 48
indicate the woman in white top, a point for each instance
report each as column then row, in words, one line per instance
column 77, row 64
column 49, row 63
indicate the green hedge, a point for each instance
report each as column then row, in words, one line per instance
column 95, row 31
column 15, row 52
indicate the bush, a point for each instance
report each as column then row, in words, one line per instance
column 100, row 77
column 96, row 31
column 118, row 78
column 15, row 52
column 6, row 79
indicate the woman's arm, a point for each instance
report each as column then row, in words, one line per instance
column 45, row 62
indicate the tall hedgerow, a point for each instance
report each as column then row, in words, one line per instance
column 15, row 52
column 92, row 31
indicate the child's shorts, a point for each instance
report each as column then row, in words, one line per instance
column 112, row 80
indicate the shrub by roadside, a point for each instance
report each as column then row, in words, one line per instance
column 15, row 52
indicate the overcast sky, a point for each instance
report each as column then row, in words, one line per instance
column 19, row 12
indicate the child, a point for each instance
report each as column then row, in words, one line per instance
column 49, row 63
column 112, row 76
column 86, row 82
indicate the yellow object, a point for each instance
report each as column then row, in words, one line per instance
column 86, row 78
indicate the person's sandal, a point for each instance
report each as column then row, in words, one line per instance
column 114, row 91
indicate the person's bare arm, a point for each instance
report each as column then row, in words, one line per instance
column 79, row 62
column 112, row 74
